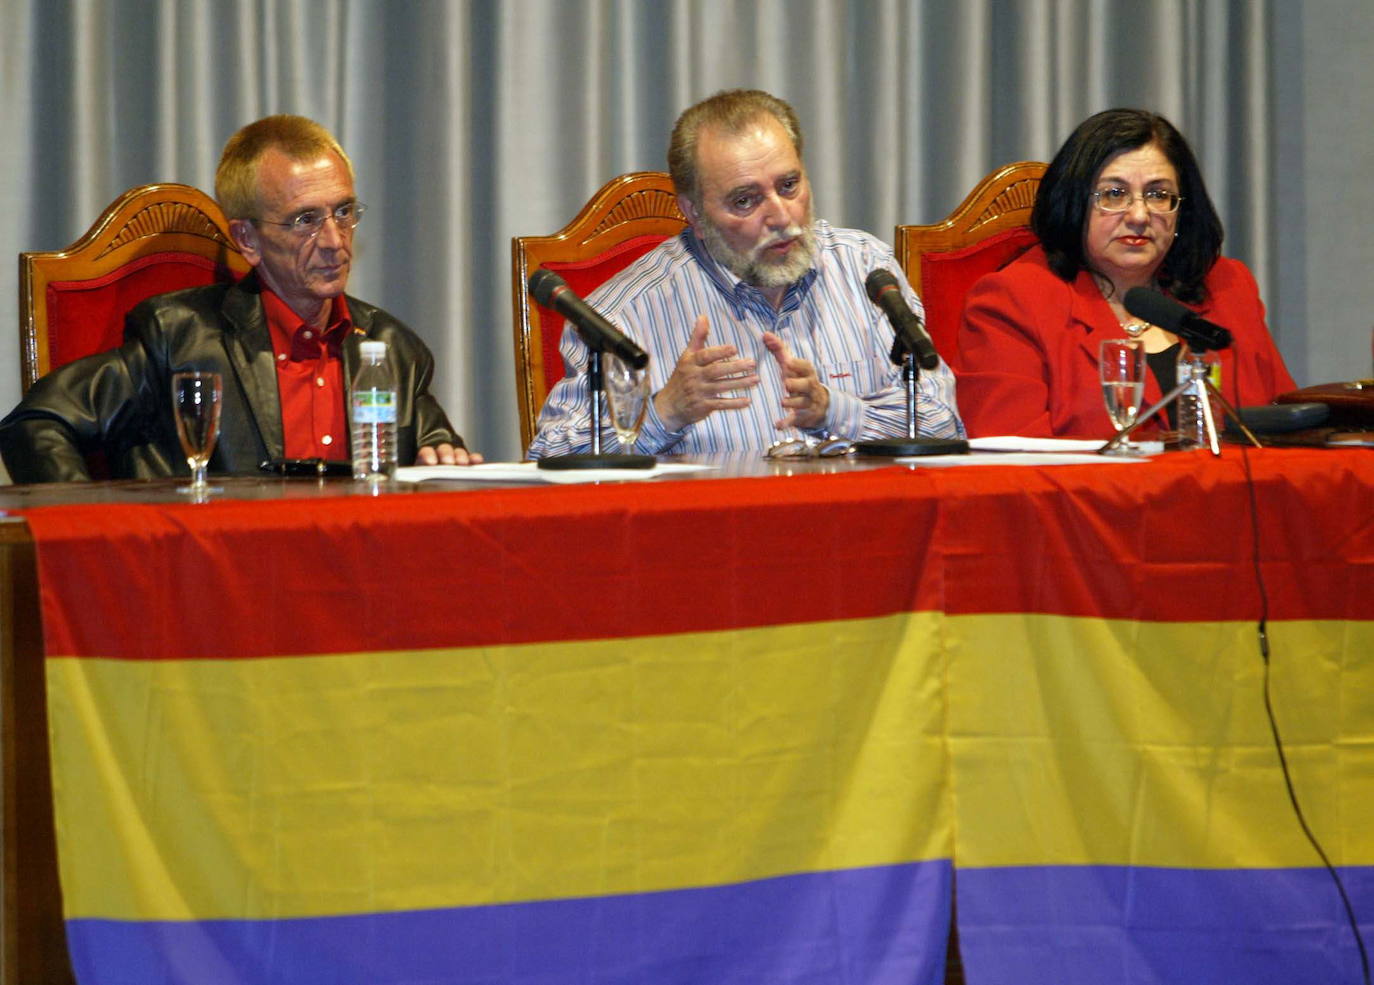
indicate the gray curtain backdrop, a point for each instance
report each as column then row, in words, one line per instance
column 471, row 121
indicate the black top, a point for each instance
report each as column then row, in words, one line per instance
column 1164, row 367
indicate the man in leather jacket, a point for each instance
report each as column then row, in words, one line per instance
column 285, row 339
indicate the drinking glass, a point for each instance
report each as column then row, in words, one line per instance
column 1122, row 366
column 627, row 398
column 195, row 404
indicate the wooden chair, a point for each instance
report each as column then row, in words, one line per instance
column 989, row 229
column 152, row 239
column 629, row 216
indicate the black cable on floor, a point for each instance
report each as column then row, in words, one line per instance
column 1274, row 724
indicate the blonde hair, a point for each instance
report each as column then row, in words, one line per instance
column 731, row 110
column 236, row 178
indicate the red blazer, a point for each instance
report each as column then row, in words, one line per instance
column 1028, row 346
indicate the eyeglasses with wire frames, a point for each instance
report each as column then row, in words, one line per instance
column 1115, row 199
column 307, row 225
column 809, row 447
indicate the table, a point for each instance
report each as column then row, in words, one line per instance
column 744, row 730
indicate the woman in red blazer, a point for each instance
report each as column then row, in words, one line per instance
column 1122, row 205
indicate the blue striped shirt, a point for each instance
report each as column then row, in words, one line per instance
column 825, row 318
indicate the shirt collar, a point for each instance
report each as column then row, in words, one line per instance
column 298, row 341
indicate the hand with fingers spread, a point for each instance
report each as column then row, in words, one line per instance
column 807, row 399
column 702, row 378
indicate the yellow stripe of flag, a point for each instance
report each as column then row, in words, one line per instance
column 379, row 782
column 395, row 781
column 1090, row 741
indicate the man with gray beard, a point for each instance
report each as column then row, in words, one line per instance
column 755, row 317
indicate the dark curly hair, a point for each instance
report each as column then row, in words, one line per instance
column 1060, row 215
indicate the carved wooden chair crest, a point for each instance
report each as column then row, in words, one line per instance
column 988, row 230
column 152, row 239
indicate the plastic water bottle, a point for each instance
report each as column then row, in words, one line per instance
column 1192, row 425
column 373, row 403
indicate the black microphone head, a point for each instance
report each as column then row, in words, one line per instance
column 878, row 281
column 544, row 283
column 1155, row 308
column 1175, row 318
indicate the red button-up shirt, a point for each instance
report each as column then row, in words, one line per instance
column 310, row 380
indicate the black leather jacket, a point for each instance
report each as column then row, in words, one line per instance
column 119, row 402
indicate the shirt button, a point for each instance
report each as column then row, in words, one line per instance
column 281, row 357
column 319, row 381
column 327, row 440
column 307, row 334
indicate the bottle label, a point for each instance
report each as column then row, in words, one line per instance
column 374, row 407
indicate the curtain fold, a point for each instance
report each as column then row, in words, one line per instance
column 472, row 122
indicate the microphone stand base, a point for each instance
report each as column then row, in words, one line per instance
column 896, row 447
column 585, row 460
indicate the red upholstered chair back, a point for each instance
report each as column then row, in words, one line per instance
column 987, row 231
column 629, row 216
column 152, row 239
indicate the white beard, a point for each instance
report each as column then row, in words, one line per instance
column 749, row 266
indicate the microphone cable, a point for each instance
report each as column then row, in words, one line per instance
column 1263, row 636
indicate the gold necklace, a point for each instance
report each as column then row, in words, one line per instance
column 1135, row 329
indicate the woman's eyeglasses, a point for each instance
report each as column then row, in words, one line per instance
column 1158, row 201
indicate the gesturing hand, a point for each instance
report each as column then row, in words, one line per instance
column 807, row 399
column 700, row 379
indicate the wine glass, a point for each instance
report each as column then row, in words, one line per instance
column 627, row 398
column 195, row 405
column 1122, row 366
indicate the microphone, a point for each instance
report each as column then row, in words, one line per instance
column 553, row 292
column 1170, row 315
column 886, row 293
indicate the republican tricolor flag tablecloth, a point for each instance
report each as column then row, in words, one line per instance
column 755, row 730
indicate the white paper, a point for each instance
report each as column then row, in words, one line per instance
column 1023, row 458
column 1010, row 442
column 530, row 472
